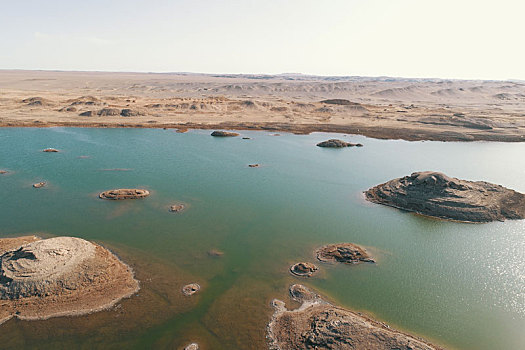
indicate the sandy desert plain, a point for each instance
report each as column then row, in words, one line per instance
column 387, row 108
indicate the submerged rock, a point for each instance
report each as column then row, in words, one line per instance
column 224, row 134
column 435, row 194
column 39, row 184
column 319, row 325
column 215, row 253
column 304, row 269
column 124, row 193
column 254, row 165
column 191, row 289
column 3, row 172
column 50, row 150
column 177, row 208
column 335, row 143
column 181, row 130
column 344, row 253
column 59, row 276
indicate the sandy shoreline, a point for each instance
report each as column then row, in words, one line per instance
column 408, row 109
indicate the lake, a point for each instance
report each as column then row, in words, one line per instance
column 458, row 285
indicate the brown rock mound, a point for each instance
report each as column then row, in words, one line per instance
column 435, row 194
column 50, row 150
column 335, row 143
column 60, row 276
column 124, row 193
column 224, row 134
column 39, row 184
column 304, row 269
column 347, row 253
column 320, row 325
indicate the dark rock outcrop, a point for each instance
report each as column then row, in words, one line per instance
column 339, row 101
column 124, row 193
column 319, row 325
column 224, row 134
column 347, row 253
column 335, row 143
column 435, row 194
column 108, row 112
column 127, row 112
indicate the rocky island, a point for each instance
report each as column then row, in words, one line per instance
column 347, row 253
column 304, row 269
column 437, row 195
column 124, row 193
column 224, row 134
column 335, row 143
column 61, row 276
column 317, row 324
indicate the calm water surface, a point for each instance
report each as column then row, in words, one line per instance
column 458, row 285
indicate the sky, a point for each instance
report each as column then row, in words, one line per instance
column 460, row 39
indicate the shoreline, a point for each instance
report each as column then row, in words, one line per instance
column 381, row 133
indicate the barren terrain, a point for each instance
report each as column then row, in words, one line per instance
column 410, row 109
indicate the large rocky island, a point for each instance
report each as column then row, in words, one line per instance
column 435, row 194
column 61, row 276
column 317, row 324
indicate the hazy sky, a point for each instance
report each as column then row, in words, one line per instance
column 410, row 38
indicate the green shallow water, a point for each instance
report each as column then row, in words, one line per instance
column 458, row 285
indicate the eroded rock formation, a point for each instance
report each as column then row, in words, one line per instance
column 317, row 324
column 435, row 194
column 335, row 143
column 347, row 253
column 224, row 134
column 42, row 278
column 124, row 193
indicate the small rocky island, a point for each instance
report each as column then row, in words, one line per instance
column 437, row 195
column 50, row 150
column 61, row 276
column 317, row 324
column 224, row 134
column 335, row 143
column 304, row 269
column 347, row 253
column 124, row 193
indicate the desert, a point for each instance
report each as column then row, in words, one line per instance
column 385, row 108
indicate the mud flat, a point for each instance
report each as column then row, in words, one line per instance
column 317, row 324
column 61, row 276
column 437, row 195
column 124, row 193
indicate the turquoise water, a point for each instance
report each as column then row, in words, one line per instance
column 459, row 285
